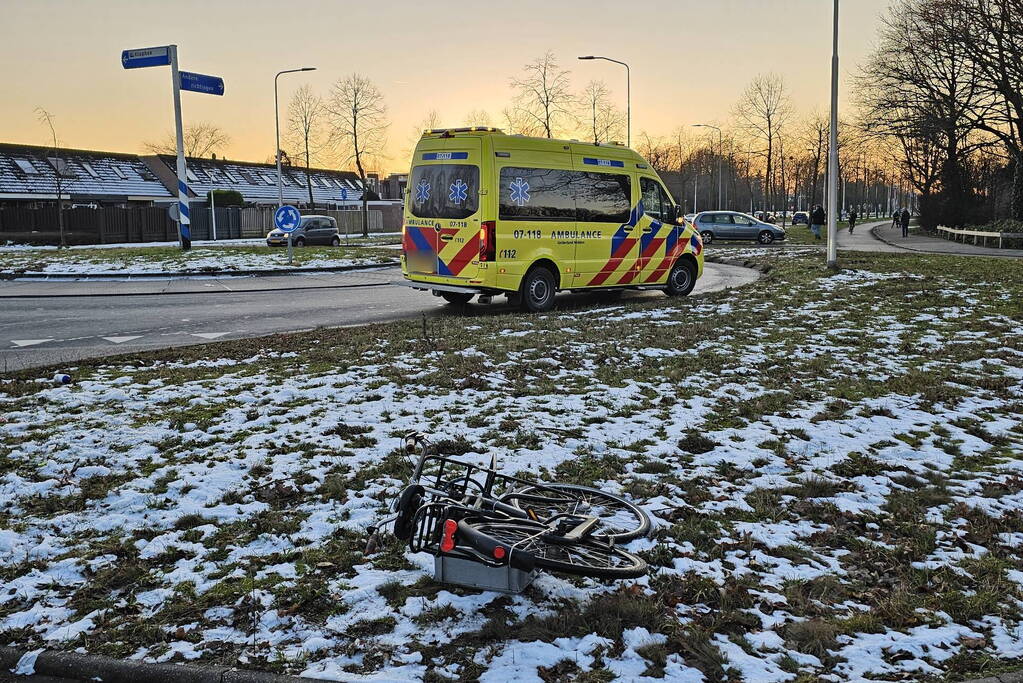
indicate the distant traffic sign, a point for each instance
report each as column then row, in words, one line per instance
column 344, row 194
column 287, row 218
column 147, row 56
column 211, row 85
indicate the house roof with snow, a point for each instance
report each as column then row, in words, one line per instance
column 258, row 182
column 31, row 172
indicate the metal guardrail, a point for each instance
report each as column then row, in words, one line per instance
column 977, row 234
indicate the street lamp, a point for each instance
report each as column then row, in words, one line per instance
column 628, row 96
column 833, row 153
column 721, row 153
column 277, row 125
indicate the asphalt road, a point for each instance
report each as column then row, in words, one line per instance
column 58, row 323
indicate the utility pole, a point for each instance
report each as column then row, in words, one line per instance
column 833, row 153
column 720, row 155
column 628, row 95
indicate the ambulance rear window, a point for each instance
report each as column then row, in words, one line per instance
column 444, row 191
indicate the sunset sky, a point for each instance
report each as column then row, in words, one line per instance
column 690, row 59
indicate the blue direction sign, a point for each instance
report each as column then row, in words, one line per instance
column 287, row 218
column 211, row 85
column 344, row 194
column 146, row 56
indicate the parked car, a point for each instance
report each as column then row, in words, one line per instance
column 801, row 218
column 312, row 230
column 732, row 225
column 690, row 217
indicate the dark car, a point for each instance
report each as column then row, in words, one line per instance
column 312, row 230
column 732, row 225
column 801, row 218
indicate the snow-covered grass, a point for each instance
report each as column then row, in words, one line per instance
column 168, row 258
column 832, row 463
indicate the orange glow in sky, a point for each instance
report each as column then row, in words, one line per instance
column 690, row 60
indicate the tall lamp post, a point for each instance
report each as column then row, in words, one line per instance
column 628, row 96
column 833, row 153
column 721, row 153
column 277, row 125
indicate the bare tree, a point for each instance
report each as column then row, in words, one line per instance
column 762, row 111
column 200, row 139
column 306, row 129
column 920, row 88
column 359, row 121
column 606, row 122
column 61, row 172
column 988, row 31
column 415, row 134
column 477, row 117
column 543, row 101
column 656, row 151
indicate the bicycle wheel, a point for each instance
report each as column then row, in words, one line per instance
column 620, row 520
column 588, row 557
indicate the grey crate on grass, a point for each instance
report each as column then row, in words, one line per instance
column 463, row 572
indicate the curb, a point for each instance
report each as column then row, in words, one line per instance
column 741, row 263
column 261, row 272
column 873, row 231
column 75, row 666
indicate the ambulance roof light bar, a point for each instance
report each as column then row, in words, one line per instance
column 448, row 132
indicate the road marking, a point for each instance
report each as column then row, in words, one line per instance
column 209, row 335
column 29, row 342
column 121, row 340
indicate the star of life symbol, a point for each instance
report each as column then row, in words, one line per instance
column 422, row 191
column 519, row 191
column 459, row 191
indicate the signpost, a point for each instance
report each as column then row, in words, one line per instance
column 211, row 85
column 287, row 219
column 147, row 56
column 344, row 204
column 167, row 55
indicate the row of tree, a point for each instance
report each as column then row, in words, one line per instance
column 346, row 128
column 933, row 121
column 944, row 87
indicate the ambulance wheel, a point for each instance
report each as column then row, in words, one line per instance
column 456, row 298
column 707, row 236
column 681, row 279
column 538, row 290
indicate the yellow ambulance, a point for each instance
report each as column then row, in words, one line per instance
column 488, row 213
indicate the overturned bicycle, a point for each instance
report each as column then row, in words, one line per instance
column 494, row 531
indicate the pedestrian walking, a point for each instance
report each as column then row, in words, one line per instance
column 904, row 221
column 896, row 219
column 817, row 220
column 852, row 220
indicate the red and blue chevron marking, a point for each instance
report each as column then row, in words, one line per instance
column 429, row 239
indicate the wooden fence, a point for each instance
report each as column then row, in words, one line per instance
column 152, row 224
column 955, row 234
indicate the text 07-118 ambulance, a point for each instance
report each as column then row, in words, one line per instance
column 488, row 213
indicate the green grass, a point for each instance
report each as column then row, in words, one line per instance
column 800, row 389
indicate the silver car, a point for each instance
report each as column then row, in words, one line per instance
column 732, row 225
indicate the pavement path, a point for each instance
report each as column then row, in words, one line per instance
column 41, row 326
column 936, row 245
